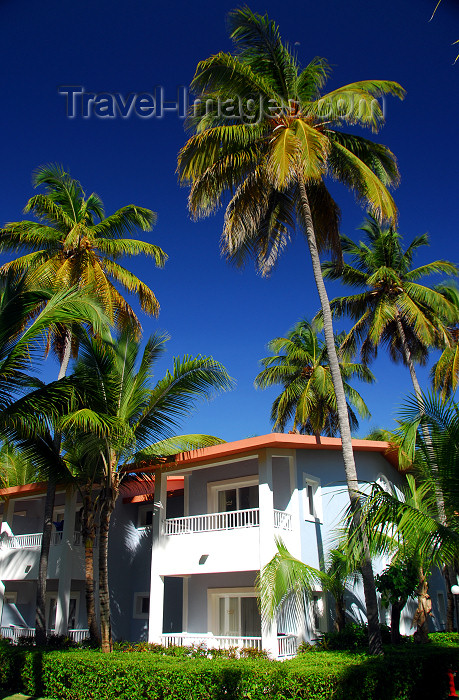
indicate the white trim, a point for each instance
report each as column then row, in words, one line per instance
column 213, row 488
column 316, row 495
column 137, row 598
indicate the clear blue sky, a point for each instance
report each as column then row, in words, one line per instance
column 206, row 306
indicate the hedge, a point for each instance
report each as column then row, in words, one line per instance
column 407, row 673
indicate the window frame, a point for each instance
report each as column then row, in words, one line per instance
column 214, row 595
column 138, row 597
column 312, row 481
column 214, row 487
column 141, row 513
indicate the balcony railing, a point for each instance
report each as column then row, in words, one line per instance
column 210, row 641
column 231, row 520
column 282, row 520
column 212, row 522
column 34, row 540
column 16, row 633
column 287, row 646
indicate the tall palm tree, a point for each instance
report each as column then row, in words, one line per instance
column 126, row 415
column 300, row 364
column 265, row 134
column 72, row 243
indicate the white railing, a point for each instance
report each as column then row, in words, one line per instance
column 77, row 635
column 287, row 646
column 34, row 540
column 212, row 522
column 15, row 633
column 282, row 520
column 210, row 641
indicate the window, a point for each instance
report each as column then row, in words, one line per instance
column 145, row 515
column 230, row 495
column 317, row 613
column 384, row 483
column 141, row 606
column 441, row 607
column 10, row 598
column 234, row 612
column 312, row 503
column 51, row 607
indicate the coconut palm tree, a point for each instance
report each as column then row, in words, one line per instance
column 72, row 243
column 445, row 372
column 127, row 418
column 393, row 309
column 406, row 524
column 265, row 134
column 285, row 581
column 300, row 364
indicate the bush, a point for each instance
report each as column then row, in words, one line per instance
column 412, row 672
column 353, row 636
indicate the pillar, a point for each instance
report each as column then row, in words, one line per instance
column 65, row 562
column 7, row 528
column 155, row 619
column 267, row 541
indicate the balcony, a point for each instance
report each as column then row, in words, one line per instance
column 216, row 522
column 287, row 644
column 14, row 633
column 33, row 540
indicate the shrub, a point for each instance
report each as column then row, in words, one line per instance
column 411, row 672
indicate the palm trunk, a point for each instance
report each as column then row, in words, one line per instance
column 40, row 616
column 423, row 611
column 106, row 510
column 374, row 632
column 89, row 534
column 395, row 614
column 340, row 614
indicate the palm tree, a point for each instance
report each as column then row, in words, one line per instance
column 300, row 364
column 285, row 581
column 393, row 309
column 407, row 524
column 72, row 244
column 125, row 417
column 265, row 134
column 445, row 372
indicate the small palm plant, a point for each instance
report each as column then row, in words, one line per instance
column 285, row 582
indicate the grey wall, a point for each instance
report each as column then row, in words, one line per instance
column 200, row 478
column 197, row 595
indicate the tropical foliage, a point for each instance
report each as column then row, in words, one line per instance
column 299, row 363
column 270, row 151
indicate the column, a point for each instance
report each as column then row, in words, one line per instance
column 65, row 562
column 7, row 528
column 155, row 620
column 267, row 542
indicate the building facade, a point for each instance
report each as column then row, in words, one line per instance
column 187, row 544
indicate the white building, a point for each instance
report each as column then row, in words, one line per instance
column 185, row 550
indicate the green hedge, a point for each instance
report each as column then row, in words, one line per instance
column 410, row 672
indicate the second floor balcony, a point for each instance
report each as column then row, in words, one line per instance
column 229, row 520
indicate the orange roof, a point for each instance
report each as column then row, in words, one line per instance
column 225, row 451
column 273, row 441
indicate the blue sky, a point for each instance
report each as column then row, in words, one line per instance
column 206, row 306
